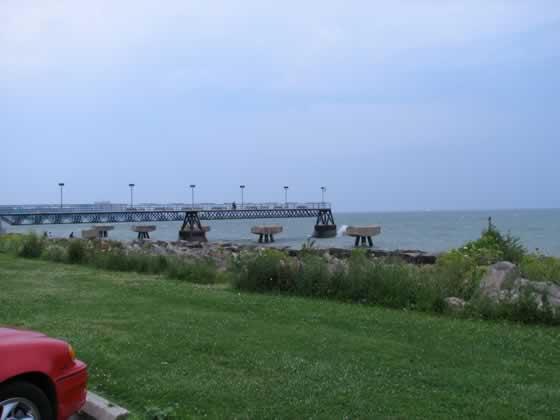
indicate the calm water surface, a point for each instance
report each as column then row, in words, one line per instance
column 429, row 231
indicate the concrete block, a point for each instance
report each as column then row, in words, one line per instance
column 363, row 230
column 266, row 229
column 104, row 228
column 100, row 409
column 196, row 235
column 143, row 228
column 325, row 231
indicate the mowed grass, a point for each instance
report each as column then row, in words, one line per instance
column 210, row 352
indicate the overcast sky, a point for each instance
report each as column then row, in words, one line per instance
column 392, row 105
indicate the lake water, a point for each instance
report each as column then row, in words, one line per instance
column 429, row 231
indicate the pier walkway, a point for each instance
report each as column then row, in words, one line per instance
column 191, row 216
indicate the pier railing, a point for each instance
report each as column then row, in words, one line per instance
column 123, row 214
column 150, row 207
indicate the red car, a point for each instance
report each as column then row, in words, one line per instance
column 40, row 377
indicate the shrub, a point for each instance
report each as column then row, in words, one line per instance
column 390, row 284
column 267, row 270
column 31, row 246
column 193, row 272
column 152, row 264
column 11, row 243
column 308, row 247
column 460, row 270
column 113, row 260
column 384, row 282
column 538, row 267
column 493, row 246
column 76, row 251
column 523, row 308
column 459, row 274
column 313, row 277
column 53, row 252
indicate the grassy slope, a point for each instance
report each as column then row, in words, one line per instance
column 216, row 353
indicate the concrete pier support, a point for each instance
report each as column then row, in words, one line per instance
column 324, row 231
column 325, row 226
column 195, row 235
column 363, row 234
column 103, row 230
column 143, row 231
column 266, row 232
column 97, row 232
column 192, row 230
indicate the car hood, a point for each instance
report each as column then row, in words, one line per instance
column 8, row 334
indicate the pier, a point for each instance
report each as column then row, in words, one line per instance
column 192, row 216
column 363, row 233
column 266, row 232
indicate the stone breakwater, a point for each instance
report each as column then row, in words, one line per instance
column 220, row 252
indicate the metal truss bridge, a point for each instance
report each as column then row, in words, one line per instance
column 187, row 215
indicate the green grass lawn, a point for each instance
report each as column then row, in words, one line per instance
column 210, row 352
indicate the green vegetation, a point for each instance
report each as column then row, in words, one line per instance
column 471, row 260
column 493, row 246
column 389, row 283
column 110, row 256
column 164, row 347
column 538, row 267
column 360, row 279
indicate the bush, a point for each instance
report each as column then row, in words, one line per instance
column 115, row 260
column 493, row 246
column 11, row 243
column 313, row 277
column 522, row 309
column 538, row 267
column 56, row 253
column 31, row 246
column 265, row 271
column 193, row 272
column 389, row 283
column 76, row 251
column 459, row 274
column 460, row 270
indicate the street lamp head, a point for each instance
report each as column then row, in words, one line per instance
column 61, row 184
column 192, row 185
column 242, row 186
column 286, row 187
column 131, row 185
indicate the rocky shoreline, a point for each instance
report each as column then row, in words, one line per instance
column 220, row 252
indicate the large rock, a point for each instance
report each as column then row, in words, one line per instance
column 503, row 283
column 540, row 290
column 498, row 278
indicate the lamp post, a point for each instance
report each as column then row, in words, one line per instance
column 286, row 196
column 192, row 186
column 323, row 189
column 242, row 194
column 131, row 194
column 61, row 185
